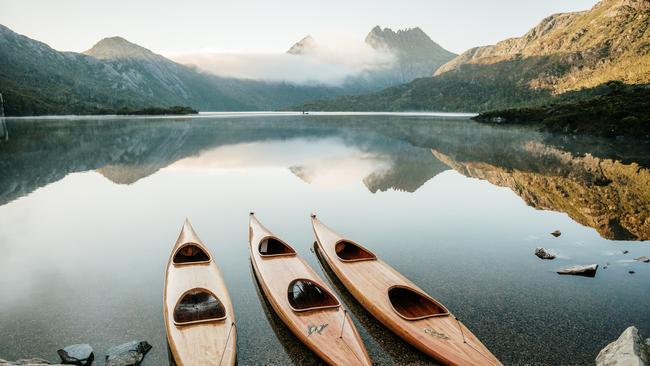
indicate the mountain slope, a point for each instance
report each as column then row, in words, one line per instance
column 36, row 79
column 609, row 42
column 564, row 52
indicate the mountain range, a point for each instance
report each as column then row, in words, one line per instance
column 566, row 57
column 565, row 52
column 115, row 73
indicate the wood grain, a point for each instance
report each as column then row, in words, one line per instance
column 328, row 331
column 440, row 336
column 203, row 343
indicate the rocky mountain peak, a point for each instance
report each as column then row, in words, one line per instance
column 409, row 42
column 305, row 46
column 119, row 48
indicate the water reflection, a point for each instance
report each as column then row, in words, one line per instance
column 601, row 184
column 90, row 207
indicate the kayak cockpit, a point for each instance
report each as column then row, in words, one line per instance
column 198, row 306
column 273, row 247
column 190, row 253
column 348, row 251
column 413, row 305
column 307, row 295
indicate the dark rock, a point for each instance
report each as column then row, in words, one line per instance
column 544, row 253
column 626, row 251
column 127, row 354
column 587, row 271
column 643, row 259
column 631, row 272
column 628, row 349
column 556, row 233
column 77, row 354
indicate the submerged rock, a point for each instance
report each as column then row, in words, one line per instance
column 556, row 233
column 588, row 271
column 628, row 350
column 643, row 259
column 544, row 253
column 127, row 354
column 27, row 362
column 77, row 354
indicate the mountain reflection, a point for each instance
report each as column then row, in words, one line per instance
column 600, row 184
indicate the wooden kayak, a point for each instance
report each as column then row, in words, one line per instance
column 303, row 301
column 398, row 303
column 199, row 316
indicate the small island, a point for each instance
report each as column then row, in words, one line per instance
column 621, row 112
column 157, row 111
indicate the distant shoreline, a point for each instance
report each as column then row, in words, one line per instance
column 460, row 115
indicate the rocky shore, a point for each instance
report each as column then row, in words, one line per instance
column 127, row 354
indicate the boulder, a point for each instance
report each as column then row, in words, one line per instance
column 628, row 350
column 556, row 233
column 544, row 253
column 77, row 354
column 587, row 271
column 127, row 354
column 28, row 362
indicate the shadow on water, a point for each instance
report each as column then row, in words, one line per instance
column 398, row 351
column 293, row 347
column 170, row 356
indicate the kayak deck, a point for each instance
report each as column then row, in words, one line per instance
column 199, row 316
column 398, row 303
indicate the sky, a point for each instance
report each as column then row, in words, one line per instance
column 171, row 27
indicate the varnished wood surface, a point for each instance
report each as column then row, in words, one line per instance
column 442, row 337
column 329, row 332
column 211, row 343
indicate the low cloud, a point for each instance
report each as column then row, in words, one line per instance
column 329, row 64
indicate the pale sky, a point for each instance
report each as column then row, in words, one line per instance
column 265, row 26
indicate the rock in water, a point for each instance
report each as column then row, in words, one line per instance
column 556, row 233
column 127, row 354
column 544, row 253
column 77, row 354
column 587, row 271
column 628, row 350
column 643, row 259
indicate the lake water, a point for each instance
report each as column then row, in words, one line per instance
column 91, row 207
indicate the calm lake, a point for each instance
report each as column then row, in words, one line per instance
column 91, row 207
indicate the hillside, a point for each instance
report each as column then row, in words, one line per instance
column 36, row 79
column 564, row 52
